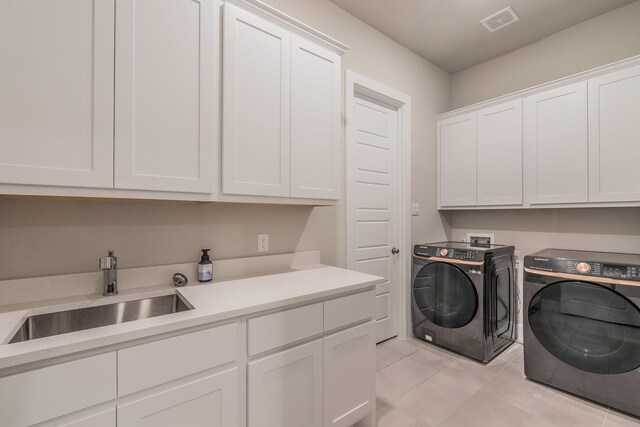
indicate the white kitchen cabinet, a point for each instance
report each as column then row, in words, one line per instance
column 285, row 389
column 457, row 148
column 256, row 105
column 500, row 154
column 56, row 92
column 349, row 375
column 614, row 137
column 556, row 145
column 101, row 418
column 315, row 121
column 211, row 401
column 166, row 94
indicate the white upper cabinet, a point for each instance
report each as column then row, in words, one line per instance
column 166, row 126
column 315, row 121
column 256, row 105
column 614, row 137
column 556, row 145
column 500, row 154
column 56, row 92
column 457, row 145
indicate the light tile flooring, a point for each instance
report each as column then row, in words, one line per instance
column 420, row 385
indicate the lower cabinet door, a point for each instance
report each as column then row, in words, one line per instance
column 349, row 375
column 211, row 401
column 285, row 389
column 102, row 418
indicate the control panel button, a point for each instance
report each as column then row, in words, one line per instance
column 444, row 252
column 583, row 267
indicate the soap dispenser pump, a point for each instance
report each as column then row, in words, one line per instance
column 205, row 267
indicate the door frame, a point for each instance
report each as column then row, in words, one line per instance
column 357, row 84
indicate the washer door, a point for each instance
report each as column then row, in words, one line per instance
column 588, row 326
column 445, row 295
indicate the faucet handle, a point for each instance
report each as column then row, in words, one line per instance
column 108, row 262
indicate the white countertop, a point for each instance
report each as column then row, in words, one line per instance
column 212, row 303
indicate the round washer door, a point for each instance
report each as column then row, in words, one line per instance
column 445, row 295
column 588, row 326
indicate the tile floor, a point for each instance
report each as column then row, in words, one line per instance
column 419, row 385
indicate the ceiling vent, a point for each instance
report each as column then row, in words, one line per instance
column 500, row 20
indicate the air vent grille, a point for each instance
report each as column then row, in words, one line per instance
column 500, row 20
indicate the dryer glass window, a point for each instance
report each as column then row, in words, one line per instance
column 445, row 295
column 588, row 326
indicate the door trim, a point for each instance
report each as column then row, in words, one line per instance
column 357, row 84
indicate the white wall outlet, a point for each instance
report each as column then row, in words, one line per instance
column 263, row 243
column 415, row 209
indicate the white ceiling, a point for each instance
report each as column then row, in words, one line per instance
column 449, row 34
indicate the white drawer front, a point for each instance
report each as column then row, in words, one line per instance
column 285, row 327
column 45, row 393
column 350, row 309
column 157, row 362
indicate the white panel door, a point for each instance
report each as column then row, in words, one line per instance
column 500, row 154
column 373, row 204
column 256, row 105
column 285, row 389
column 166, row 124
column 56, row 92
column 315, row 121
column 555, row 139
column 614, row 137
column 208, row 402
column 458, row 162
column 349, row 375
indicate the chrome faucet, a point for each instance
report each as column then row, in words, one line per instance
column 109, row 266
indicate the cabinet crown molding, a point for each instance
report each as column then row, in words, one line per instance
column 291, row 24
column 564, row 81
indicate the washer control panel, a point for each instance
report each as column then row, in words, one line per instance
column 585, row 268
column 449, row 253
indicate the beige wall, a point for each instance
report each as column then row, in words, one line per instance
column 43, row 237
column 601, row 40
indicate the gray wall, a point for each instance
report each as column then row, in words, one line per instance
column 607, row 38
column 43, row 237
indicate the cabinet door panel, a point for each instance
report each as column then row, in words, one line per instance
column 315, row 121
column 285, row 389
column 500, row 154
column 349, row 375
column 165, row 122
column 556, row 146
column 614, row 137
column 457, row 145
column 103, row 418
column 256, row 105
column 56, row 92
column 208, row 402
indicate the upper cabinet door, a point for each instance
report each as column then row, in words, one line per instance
column 56, row 92
column 457, row 145
column 315, row 121
column 166, row 119
column 614, row 137
column 500, row 154
column 555, row 124
column 256, row 105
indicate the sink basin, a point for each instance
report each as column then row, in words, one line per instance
column 62, row 322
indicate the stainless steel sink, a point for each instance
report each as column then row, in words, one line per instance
column 62, row 322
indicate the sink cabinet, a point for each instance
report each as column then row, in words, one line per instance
column 307, row 365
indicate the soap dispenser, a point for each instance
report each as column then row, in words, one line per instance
column 205, row 267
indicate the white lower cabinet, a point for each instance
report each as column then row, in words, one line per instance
column 349, row 375
column 101, row 418
column 285, row 389
column 211, row 401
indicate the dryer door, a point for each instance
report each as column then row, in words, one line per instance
column 445, row 295
column 588, row 326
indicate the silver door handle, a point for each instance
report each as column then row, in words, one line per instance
column 395, row 251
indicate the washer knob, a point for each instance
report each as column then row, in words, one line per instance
column 583, row 267
column 444, row 252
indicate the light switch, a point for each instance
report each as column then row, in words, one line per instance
column 415, row 209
